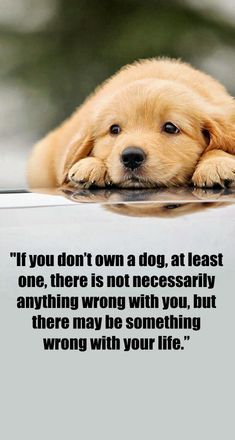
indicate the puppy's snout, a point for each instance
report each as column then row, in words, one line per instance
column 133, row 157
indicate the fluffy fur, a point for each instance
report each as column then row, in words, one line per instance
column 141, row 98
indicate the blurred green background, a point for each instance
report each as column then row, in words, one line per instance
column 54, row 52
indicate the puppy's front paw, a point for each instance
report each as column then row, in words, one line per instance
column 215, row 171
column 87, row 172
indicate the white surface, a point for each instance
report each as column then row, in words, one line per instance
column 30, row 200
column 116, row 395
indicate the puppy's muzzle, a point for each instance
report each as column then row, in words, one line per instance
column 133, row 157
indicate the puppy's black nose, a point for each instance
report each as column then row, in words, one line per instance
column 133, row 157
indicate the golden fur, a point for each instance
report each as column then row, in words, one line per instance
column 141, row 98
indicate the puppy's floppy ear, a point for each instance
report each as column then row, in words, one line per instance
column 219, row 131
column 79, row 148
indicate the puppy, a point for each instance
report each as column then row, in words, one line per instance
column 157, row 122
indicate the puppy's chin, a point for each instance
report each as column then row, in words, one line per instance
column 135, row 182
column 141, row 179
column 135, row 179
column 138, row 178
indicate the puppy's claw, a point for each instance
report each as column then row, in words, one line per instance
column 86, row 184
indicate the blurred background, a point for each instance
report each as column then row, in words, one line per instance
column 54, row 52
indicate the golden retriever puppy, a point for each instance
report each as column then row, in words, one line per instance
column 157, row 122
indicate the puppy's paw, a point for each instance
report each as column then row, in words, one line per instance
column 215, row 171
column 87, row 172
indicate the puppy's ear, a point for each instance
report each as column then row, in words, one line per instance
column 219, row 132
column 79, row 148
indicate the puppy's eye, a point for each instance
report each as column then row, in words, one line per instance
column 115, row 129
column 170, row 128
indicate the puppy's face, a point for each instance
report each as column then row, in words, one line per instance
column 149, row 134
